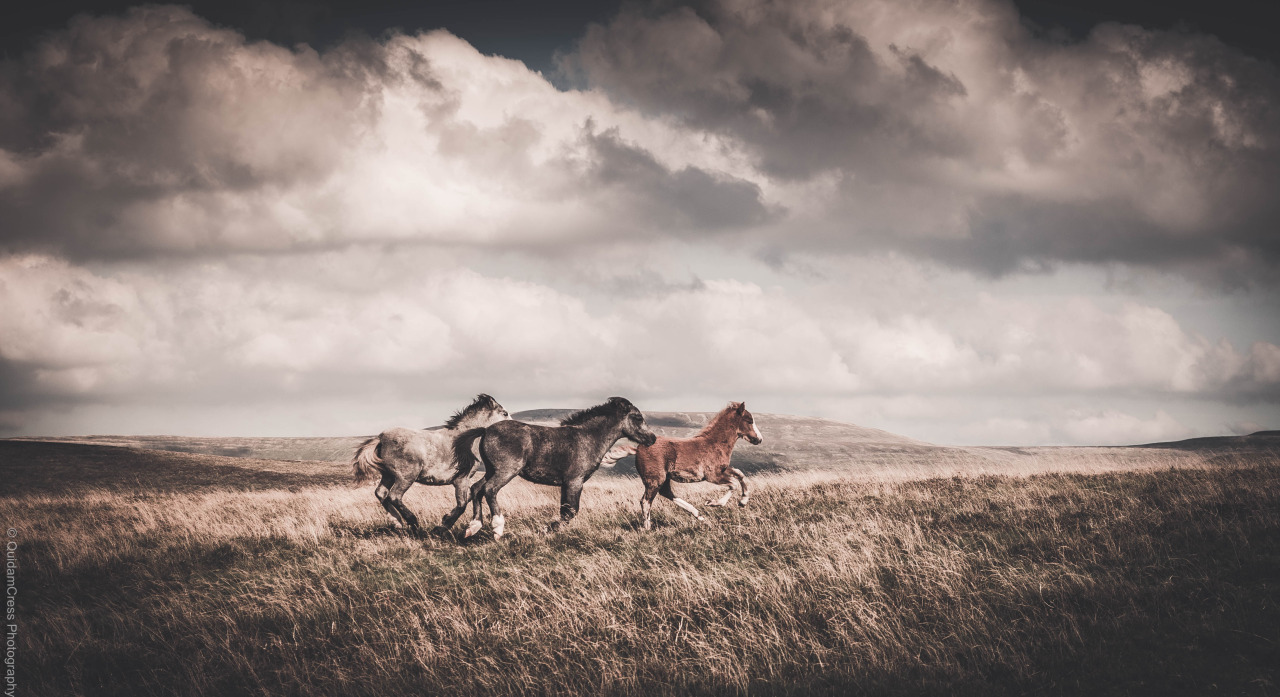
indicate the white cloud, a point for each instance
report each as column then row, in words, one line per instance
column 1118, row 428
column 158, row 132
column 764, row 201
column 405, row 324
column 951, row 131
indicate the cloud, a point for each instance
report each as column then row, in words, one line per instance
column 935, row 129
column 1118, row 428
column 948, row 130
column 156, row 132
column 405, row 323
column 779, row 202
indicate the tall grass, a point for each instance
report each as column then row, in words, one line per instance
column 1155, row 582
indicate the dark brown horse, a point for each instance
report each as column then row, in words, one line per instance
column 704, row 457
column 565, row 456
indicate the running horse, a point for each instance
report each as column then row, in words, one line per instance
column 404, row 456
column 704, row 457
column 564, row 456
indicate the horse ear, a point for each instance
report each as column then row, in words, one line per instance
column 742, row 406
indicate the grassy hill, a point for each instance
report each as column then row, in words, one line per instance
column 147, row 572
column 792, row 444
column 336, row 449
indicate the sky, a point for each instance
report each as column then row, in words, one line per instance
column 964, row 221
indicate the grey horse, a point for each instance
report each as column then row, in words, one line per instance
column 404, row 456
column 564, row 456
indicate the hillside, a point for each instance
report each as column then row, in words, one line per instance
column 161, row 573
column 336, row 449
column 791, row 444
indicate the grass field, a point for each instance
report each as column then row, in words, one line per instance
column 173, row 573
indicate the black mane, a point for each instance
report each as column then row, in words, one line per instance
column 616, row 406
column 482, row 401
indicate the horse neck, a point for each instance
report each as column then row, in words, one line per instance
column 469, row 422
column 720, row 433
column 605, row 431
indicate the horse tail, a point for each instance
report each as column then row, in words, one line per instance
column 366, row 462
column 466, row 449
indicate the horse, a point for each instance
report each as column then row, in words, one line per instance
column 564, row 456
column 704, row 457
column 405, row 456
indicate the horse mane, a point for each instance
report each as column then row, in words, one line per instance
column 616, row 406
column 482, row 401
column 719, row 418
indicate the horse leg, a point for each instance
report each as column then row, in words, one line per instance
column 646, row 501
column 489, row 490
column 666, row 491
column 477, row 508
column 384, row 488
column 393, row 500
column 723, row 499
column 742, row 484
column 570, row 495
column 462, row 485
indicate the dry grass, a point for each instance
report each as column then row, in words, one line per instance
column 1147, row 582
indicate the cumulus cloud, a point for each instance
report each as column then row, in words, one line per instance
column 946, row 129
column 155, row 131
column 780, row 202
column 938, row 129
column 405, row 324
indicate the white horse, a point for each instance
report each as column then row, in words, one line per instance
column 404, row 456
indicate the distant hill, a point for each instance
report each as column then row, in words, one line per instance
column 32, row 466
column 791, row 444
column 336, row 449
column 1262, row 440
column 790, row 441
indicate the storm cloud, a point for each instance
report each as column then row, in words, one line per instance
column 948, row 129
column 158, row 133
column 921, row 217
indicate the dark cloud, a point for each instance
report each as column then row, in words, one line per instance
column 113, row 119
column 156, row 132
column 955, row 132
column 690, row 198
column 807, row 95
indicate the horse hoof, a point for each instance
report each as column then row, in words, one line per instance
column 648, row 525
column 743, row 503
column 473, row 528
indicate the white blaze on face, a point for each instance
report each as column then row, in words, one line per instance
column 756, row 429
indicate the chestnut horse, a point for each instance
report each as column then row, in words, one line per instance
column 704, row 457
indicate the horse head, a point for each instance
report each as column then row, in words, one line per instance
column 483, row 411
column 634, row 426
column 746, row 423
